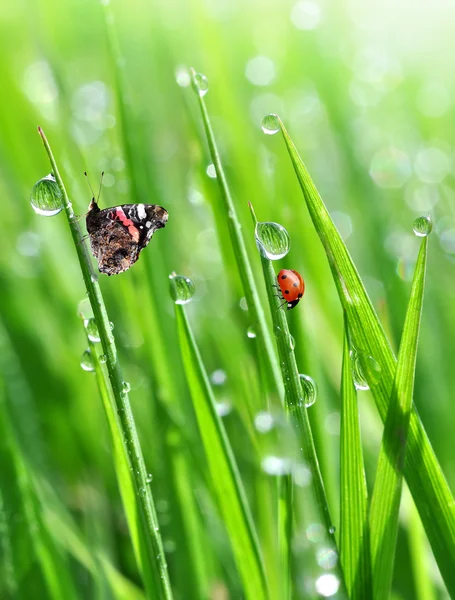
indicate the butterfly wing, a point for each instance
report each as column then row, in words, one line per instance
column 118, row 234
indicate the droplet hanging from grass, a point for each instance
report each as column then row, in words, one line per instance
column 291, row 342
column 270, row 124
column 251, row 332
column 46, row 197
column 364, row 368
column 92, row 330
column 126, row 387
column 87, row 361
column 103, row 359
column 182, row 288
column 200, row 83
column 423, row 226
column 309, row 390
column 272, row 240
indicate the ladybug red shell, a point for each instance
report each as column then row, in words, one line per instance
column 292, row 287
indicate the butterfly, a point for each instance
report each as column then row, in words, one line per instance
column 118, row 234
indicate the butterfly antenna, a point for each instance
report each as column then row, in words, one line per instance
column 101, row 185
column 89, row 185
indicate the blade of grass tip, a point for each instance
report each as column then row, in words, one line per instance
column 122, row 470
column 226, row 479
column 385, row 501
column 271, row 372
column 293, row 393
column 354, row 535
column 157, row 563
column 423, row 473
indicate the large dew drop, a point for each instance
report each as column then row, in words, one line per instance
column 272, row 240
column 309, row 390
column 46, row 198
column 422, row 226
column 87, row 361
column 364, row 368
column 270, row 124
column 200, row 84
column 182, row 289
column 92, row 330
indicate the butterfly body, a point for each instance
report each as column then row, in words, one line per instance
column 118, row 234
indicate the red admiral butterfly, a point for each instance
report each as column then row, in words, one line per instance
column 118, row 234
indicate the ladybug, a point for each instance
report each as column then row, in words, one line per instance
column 292, row 287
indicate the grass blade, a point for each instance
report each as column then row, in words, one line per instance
column 149, row 523
column 271, row 371
column 354, row 535
column 223, row 468
column 423, row 473
column 293, row 394
column 385, row 502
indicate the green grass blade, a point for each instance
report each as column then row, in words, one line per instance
column 293, row 395
column 157, row 565
column 223, row 468
column 123, row 472
column 420, row 553
column 385, row 502
column 271, row 371
column 423, row 473
column 354, row 534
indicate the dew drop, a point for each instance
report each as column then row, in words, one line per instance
column 423, row 226
column 291, row 342
column 126, row 387
column 103, row 359
column 272, row 240
column 364, row 368
column 86, row 361
column 46, row 198
column 200, row 84
column 251, row 332
column 309, row 390
column 111, row 325
column 182, row 288
column 92, row 330
column 149, row 478
column 332, row 530
column 270, row 124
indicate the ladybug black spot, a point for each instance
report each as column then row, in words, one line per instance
column 300, row 295
column 283, row 276
column 295, row 284
column 286, row 291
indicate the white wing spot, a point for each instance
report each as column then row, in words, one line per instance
column 148, row 224
column 141, row 213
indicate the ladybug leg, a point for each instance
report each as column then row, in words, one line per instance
column 282, row 305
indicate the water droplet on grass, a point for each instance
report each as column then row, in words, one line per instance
column 200, row 84
column 103, row 359
column 46, row 198
column 87, row 361
column 291, row 342
column 149, row 478
column 92, row 330
column 182, row 289
column 264, row 421
column 309, row 390
column 272, row 240
column 332, row 530
column 126, row 387
column 423, row 226
column 270, row 124
column 111, row 325
column 251, row 332
column 364, row 368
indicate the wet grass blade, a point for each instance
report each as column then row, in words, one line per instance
column 354, row 534
column 385, row 502
column 423, row 473
column 223, row 468
column 156, row 564
column 240, row 253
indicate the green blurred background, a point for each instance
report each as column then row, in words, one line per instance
column 366, row 90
